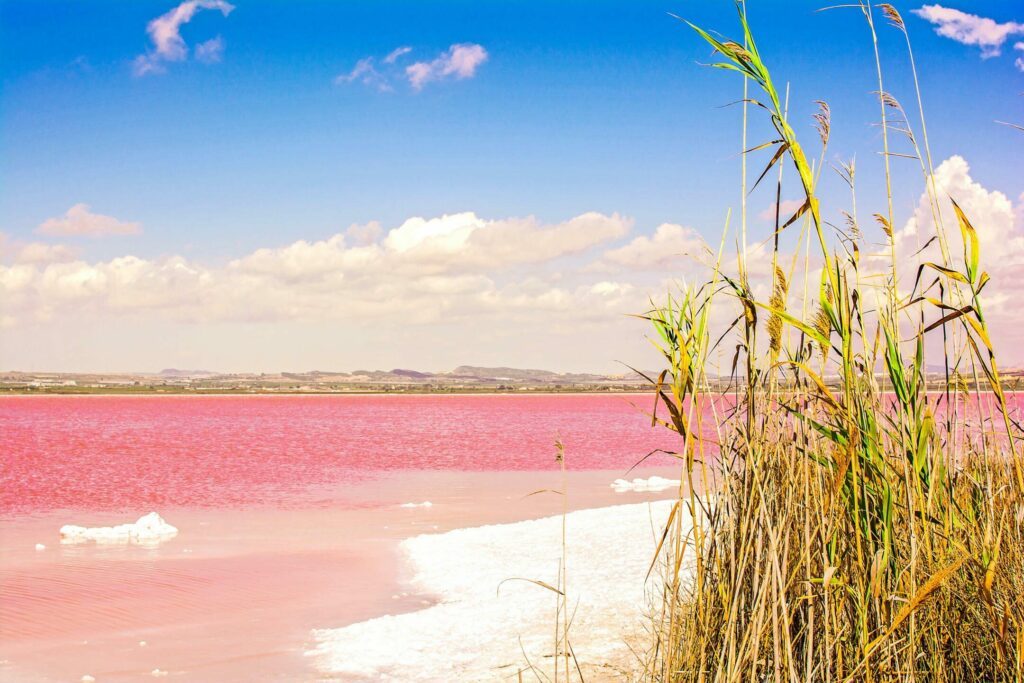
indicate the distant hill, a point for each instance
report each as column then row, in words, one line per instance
column 502, row 372
column 415, row 374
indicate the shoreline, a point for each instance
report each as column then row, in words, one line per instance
column 487, row 575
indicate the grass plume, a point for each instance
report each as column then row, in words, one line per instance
column 854, row 528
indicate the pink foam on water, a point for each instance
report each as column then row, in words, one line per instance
column 116, row 452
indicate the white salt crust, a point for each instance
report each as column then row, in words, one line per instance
column 654, row 483
column 149, row 529
column 476, row 632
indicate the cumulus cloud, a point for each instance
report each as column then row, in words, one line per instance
column 18, row 251
column 40, row 252
column 970, row 29
column 458, row 61
column 465, row 240
column 169, row 46
column 1019, row 62
column 668, row 248
column 425, row 270
column 1000, row 226
column 79, row 221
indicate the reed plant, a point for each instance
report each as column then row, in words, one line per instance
column 853, row 527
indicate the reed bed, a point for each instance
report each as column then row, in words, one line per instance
column 854, row 526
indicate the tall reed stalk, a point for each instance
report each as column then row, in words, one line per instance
column 851, row 527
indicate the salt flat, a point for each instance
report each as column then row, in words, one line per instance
column 476, row 632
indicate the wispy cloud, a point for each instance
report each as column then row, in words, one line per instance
column 459, row 61
column 365, row 72
column 210, row 51
column 395, row 54
column 79, row 221
column 169, row 46
column 1019, row 62
column 970, row 29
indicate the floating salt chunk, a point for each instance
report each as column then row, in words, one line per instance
column 158, row 673
column 142, row 643
column 149, row 529
column 654, row 483
column 88, row 679
column 40, row 546
column 424, row 504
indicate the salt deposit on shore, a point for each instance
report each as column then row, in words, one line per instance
column 475, row 632
column 149, row 529
column 654, row 483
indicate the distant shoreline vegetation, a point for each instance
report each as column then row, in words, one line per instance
column 463, row 379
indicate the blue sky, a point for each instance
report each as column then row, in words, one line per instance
column 579, row 107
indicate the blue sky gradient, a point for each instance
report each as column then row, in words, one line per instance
column 581, row 106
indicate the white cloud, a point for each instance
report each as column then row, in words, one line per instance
column 425, row 270
column 990, row 211
column 79, row 221
column 40, row 252
column 970, row 29
column 669, row 248
column 1000, row 226
column 169, row 46
column 395, row 54
column 1019, row 62
column 463, row 240
column 17, row 251
column 459, row 61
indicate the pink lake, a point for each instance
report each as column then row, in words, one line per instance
column 123, row 453
column 288, row 510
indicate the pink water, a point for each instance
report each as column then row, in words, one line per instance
column 288, row 516
column 120, row 453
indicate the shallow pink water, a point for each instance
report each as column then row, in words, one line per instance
column 120, row 453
